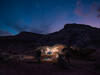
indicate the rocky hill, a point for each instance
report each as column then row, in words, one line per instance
column 77, row 35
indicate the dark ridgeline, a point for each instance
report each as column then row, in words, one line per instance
column 77, row 35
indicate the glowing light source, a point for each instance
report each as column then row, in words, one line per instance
column 52, row 53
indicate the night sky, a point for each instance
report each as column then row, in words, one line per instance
column 46, row 16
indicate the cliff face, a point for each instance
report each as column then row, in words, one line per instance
column 78, row 35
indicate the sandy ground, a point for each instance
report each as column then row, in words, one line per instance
column 78, row 67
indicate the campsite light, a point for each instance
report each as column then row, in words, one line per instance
column 51, row 53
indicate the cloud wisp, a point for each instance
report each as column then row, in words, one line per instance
column 90, row 15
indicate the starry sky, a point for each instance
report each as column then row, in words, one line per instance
column 46, row 16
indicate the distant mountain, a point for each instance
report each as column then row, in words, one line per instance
column 4, row 33
column 78, row 35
